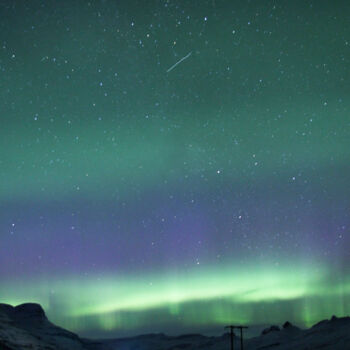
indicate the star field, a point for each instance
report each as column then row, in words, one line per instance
column 170, row 166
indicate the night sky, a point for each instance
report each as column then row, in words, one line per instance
column 173, row 166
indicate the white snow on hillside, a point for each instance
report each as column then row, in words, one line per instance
column 26, row 327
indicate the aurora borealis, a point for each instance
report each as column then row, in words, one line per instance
column 175, row 166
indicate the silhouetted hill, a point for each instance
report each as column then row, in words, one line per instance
column 27, row 327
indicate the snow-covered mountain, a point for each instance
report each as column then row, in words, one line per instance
column 27, row 327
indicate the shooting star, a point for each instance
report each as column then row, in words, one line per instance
column 178, row 62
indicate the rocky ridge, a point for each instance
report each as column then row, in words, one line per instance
column 27, row 327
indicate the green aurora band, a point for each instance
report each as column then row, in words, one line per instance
column 137, row 200
column 196, row 297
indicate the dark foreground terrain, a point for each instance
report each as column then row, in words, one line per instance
column 27, row 327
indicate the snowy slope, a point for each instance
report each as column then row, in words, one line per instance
column 26, row 327
column 326, row 335
column 330, row 335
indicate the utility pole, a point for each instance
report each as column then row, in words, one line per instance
column 232, row 334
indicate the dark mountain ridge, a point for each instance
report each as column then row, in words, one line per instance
column 27, row 327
